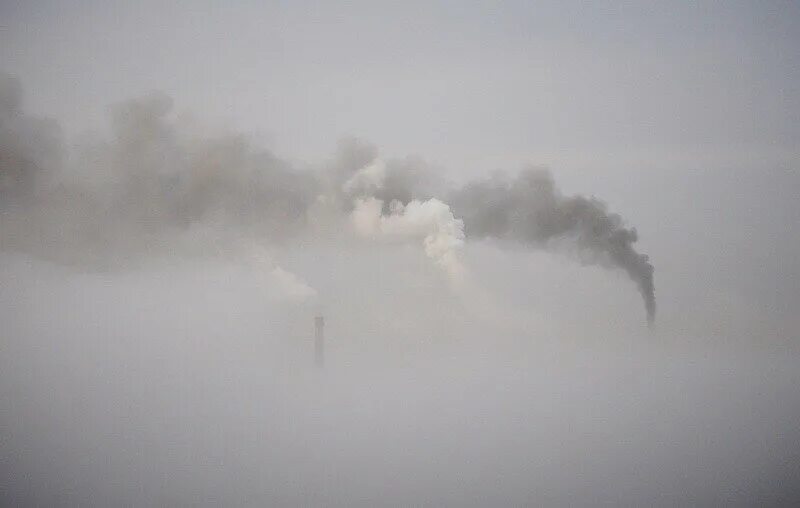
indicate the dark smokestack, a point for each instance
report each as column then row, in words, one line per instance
column 319, row 341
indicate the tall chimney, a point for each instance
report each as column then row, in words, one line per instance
column 319, row 341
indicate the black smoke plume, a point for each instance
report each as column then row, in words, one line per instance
column 530, row 209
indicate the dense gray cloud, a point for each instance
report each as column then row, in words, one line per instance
column 530, row 209
column 143, row 190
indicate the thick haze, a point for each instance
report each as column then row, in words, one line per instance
column 477, row 197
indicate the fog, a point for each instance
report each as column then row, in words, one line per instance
column 181, row 385
column 484, row 203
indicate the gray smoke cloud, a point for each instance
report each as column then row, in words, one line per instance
column 160, row 186
column 531, row 210
column 153, row 187
column 29, row 146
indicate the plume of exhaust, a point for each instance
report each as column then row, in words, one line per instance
column 154, row 189
column 432, row 221
column 285, row 285
column 294, row 288
column 531, row 210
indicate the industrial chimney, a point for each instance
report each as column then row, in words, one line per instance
column 319, row 341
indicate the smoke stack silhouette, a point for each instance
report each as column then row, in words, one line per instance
column 319, row 341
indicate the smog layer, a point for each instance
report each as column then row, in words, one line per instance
column 475, row 197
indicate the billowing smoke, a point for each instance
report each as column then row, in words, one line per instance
column 429, row 220
column 151, row 189
column 159, row 187
column 530, row 209
column 432, row 221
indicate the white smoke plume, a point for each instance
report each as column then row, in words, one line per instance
column 286, row 285
column 291, row 285
column 431, row 221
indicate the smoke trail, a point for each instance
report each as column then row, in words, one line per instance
column 290, row 287
column 531, row 210
column 154, row 189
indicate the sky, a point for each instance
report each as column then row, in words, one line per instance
column 681, row 117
